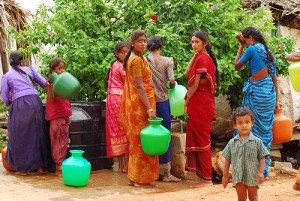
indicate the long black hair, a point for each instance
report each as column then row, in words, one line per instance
column 203, row 36
column 134, row 36
column 15, row 59
column 118, row 48
column 251, row 31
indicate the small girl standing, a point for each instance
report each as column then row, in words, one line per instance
column 117, row 144
column 58, row 112
column 247, row 154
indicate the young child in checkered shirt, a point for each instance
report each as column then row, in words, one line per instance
column 246, row 153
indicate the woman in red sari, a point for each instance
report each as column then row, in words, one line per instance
column 199, row 106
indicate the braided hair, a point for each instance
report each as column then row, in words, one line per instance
column 251, row 31
column 134, row 36
column 203, row 36
column 15, row 59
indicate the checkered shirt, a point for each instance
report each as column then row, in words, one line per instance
column 244, row 156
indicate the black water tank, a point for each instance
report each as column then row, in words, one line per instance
column 87, row 132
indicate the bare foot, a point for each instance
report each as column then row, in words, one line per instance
column 42, row 171
column 148, row 185
column 21, row 173
column 296, row 187
column 202, row 184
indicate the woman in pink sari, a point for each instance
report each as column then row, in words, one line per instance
column 199, row 106
column 117, row 144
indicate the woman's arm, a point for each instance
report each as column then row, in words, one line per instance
column 143, row 95
column 293, row 56
column 170, row 73
column 5, row 90
column 237, row 64
column 191, row 90
column 50, row 93
column 38, row 78
column 190, row 65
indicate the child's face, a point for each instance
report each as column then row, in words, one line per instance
column 121, row 55
column 243, row 124
column 60, row 68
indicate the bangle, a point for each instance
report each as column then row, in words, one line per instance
column 150, row 110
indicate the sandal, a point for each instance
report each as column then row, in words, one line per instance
column 171, row 178
column 42, row 171
column 296, row 187
column 21, row 173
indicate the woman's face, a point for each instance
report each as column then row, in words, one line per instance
column 140, row 44
column 198, row 45
column 60, row 68
column 121, row 55
column 248, row 41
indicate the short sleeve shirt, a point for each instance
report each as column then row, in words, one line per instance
column 255, row 61
column 244, row 155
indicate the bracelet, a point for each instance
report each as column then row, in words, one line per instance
column 150, row 110
column 188, row 95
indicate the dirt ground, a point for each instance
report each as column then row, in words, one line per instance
column 110, row 185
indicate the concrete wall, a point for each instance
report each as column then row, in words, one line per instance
column 286, row 31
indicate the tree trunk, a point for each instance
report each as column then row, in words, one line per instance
column 4, row 58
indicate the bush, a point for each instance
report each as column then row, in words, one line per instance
column 84, row 33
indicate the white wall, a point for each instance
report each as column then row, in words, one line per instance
column 286, row 31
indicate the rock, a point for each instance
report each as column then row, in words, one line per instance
column 178, row 157
column 276, row 146
column 289, row 171
column 218, row 165
column 220, row 128
column 279, row 165
column 275, row 155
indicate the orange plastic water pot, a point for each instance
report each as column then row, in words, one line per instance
column 282, row 128
column 5, row 164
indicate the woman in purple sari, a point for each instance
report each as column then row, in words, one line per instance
column 28, row 147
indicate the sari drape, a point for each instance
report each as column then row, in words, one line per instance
column 142, row 168
column 201, row 113
column 117, row 143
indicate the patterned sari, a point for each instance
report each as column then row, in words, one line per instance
column 201, row 113
column 116, row 140
column 142, row 168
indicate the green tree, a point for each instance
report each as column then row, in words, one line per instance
column 84, row 33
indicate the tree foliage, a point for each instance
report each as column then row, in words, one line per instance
column 84, row 33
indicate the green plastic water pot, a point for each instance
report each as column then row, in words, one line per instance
column 76, row 170
column 176, row 98
column 155, row 138
column 294, row 72
column 65, row 85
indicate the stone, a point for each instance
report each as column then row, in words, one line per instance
column 275, row 155
column 178, row 157
column 279, row 165
column 276, row 146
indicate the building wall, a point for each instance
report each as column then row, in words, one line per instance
column 286, row 31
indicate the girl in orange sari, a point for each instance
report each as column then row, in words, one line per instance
column 199, row 106
column 138, row 104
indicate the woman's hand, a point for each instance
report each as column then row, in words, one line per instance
column 152, row 115
column 240, row 38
